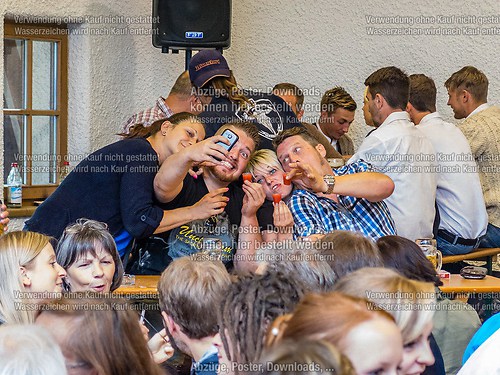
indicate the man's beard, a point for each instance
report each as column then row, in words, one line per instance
column 220, row 175
column 178, row 344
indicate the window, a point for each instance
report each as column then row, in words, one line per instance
column 35, row 104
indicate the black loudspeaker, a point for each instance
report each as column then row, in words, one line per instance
column 188, row 24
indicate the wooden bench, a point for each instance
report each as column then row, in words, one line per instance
column 481, row 254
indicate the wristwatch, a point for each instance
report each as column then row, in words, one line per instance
column 330, row 183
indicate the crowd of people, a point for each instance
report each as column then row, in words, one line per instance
column 272, row 261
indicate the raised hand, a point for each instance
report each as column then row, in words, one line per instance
column 253, row 199
column 305, row 177
column 211, row 204
column 282, row 217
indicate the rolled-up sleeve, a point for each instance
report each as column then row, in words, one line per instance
column 140, row 215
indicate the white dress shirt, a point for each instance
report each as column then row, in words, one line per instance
column 332, row 141
column 459, row 195
column 398, row 149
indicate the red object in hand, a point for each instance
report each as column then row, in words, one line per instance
column 276, row 198
column 247, row 177
column 286, row 181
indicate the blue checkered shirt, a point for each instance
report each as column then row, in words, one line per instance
column 320, row 215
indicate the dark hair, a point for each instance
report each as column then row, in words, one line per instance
column 297, row 130
column 337, row 98
column 290, row 88
column 392, row 83
column 349, row 251
column 106, row 338
column 81, row 238
column 406, row 257
column 471, row 79
column 141, row 131
column 250, row 306
column 422, row 93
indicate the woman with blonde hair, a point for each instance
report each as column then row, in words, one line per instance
column 410, row 302
column 312, row 357
column 354, row 325
column 29, row 272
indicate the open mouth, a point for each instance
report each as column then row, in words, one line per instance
column 275, row 187
column 99, row 288
column 228, row 165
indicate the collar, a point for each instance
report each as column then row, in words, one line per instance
column 396, row 116
column 332, row 141
column 209, row 353
column 482, row 107
column 428, row 118
column 160, row 102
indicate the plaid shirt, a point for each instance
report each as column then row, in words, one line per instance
column 150, row 115
column 320, row 215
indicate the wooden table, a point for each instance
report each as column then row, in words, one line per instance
column 457, row 284
column 144, row 285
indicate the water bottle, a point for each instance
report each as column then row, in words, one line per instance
column 14, row 187
column 64, row 171
column 2, row 228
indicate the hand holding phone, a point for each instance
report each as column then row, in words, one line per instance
column 231, row 136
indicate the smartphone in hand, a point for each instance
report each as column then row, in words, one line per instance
column 231, row 136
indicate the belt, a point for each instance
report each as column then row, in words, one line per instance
column 454, row 239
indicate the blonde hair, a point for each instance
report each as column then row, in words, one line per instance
column 321, row 356
column 17, row 249
column 330, row 317
column 410, row 302
column 261, row 159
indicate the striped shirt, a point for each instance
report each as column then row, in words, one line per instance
column 150, row 115
column 319, row 215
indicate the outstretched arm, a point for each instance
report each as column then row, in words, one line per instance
column 169, row 179
column 372, row 186
column 250, row 235
column 211, row 204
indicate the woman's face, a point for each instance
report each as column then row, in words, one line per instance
column 271, row 179
column 92, row 273
column 182, row 135
column 374, row 347
column 417, row 354
column 44, row 274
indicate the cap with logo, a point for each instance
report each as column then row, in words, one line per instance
column 206, row 65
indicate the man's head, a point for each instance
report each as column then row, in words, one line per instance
column 190, row 292
column 467, row 90
column 422, row 97
column 292, row 96
column 207, row 64
column 337, row 112
column 237, row 158
column 388, row 92
column 184, row 97
column 297, row 145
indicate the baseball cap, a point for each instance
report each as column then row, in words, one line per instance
column 206, row 65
